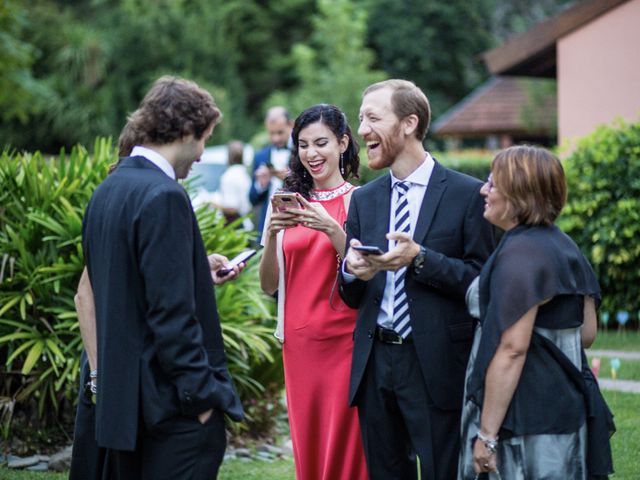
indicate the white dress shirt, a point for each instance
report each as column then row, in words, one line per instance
column 155, row 158
column 418, row 181
column 279, row 159
column 235, row 184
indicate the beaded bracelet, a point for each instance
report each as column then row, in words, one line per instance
column 491, row 444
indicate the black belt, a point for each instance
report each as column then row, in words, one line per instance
column 387, row 335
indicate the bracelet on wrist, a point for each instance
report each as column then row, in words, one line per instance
column 491, row 444
column 93, row 374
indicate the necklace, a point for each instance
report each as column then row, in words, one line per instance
column 323, row 195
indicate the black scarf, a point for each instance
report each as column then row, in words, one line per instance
column 530, row 265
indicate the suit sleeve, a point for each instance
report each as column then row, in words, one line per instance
column 452, row 276
column 352, row 292
column 166, row 244
column 256, row 197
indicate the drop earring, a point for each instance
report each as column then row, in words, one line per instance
column 341, row 164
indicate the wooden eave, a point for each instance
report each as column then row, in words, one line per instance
column 534, row 52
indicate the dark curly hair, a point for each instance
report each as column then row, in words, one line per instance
column 331, row 116
column 126, row 142
column 171, row 110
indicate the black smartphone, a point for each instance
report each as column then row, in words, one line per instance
column 238, row 259
column 368, row 250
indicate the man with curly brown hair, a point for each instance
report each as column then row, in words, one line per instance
column 163, row 380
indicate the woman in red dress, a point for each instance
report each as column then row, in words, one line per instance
column 303, row 248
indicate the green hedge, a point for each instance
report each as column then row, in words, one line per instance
column 476, row 163
column 603, row 213
column 42, row 201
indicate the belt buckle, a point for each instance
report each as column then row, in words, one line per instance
column 390, row 336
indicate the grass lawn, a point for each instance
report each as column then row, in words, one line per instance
column 6, row 474
column 625, row 443
column 257, row 470
column 629, row 369
column 614, row 340
column 231, row 470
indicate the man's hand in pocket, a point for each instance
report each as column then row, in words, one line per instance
column 205, row 416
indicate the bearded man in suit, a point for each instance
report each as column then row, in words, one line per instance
column 413, row 333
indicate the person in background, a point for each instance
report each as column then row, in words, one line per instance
column 302, row 250
column 271, row 164
column 232, row 197
column 413, row 334
column 527, row 410
column 235, row 184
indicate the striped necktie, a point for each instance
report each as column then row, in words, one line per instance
column 400, row 302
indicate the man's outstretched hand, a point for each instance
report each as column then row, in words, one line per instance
column 218, row 262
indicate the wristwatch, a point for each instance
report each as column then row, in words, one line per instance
column 418, row 260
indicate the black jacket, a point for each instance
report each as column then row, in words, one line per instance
column 458, row 240
column 160, row 347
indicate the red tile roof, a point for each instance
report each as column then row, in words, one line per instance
column 506, row 105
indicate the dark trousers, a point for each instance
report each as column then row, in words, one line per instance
column 178, row 448
column 398, row 419
column 88, row 461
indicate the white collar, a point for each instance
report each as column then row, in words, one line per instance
column 155, row 158
column 420, row 176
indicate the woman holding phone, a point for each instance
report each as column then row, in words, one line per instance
column 304, row 244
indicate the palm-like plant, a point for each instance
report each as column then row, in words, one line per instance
column 40, row 230
column 42, row 201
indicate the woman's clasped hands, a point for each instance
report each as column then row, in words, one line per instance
column 484, row 458
column 310, row 214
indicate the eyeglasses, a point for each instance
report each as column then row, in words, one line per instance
column 489, row 183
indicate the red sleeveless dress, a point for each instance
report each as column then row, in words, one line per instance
column 317, row 354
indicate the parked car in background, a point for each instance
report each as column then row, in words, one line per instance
column 205, row 175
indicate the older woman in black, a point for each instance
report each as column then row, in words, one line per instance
column 524, row 414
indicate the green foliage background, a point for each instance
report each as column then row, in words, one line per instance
column 42, row 201
column 73, row 70
column 603, row 211
column 333, row 66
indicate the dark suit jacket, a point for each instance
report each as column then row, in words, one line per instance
column 262, row 157
column 160, row 347
column 458, row 240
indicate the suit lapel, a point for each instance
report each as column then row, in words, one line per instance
column 381, row 214
column 436, row 187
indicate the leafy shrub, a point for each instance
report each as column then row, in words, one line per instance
column 476, row 163
column 603, row 211
column 42, row 201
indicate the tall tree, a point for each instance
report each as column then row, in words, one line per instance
column 20, row 93
column 334, row 66
column 511, row 17
column 90, row 61
column 433, row 43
